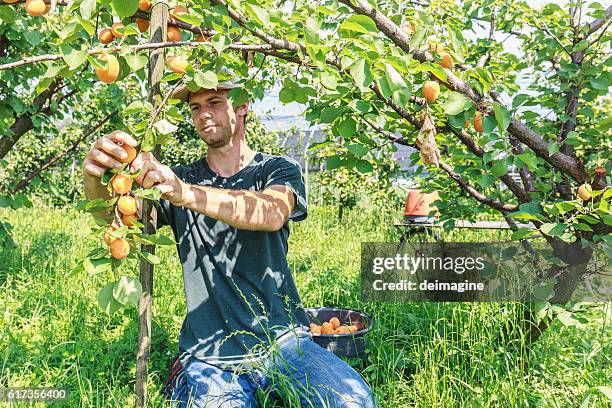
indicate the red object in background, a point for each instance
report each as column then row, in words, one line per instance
column 419, row 204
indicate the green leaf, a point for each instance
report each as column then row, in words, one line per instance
column 519, row 100
column 152, row 258
column 488, row 123
column 435, row 69
column 499, row 168
column 521, row 233
column 136, row 61
column 455, row 104
column 457, row 121
column 134, row 107
column 359, row 24
column 601, row 82
column 329, row 79
column 333, row 162
column 553, row 229
column 220, row 42
column 164, row 127
column 125, row 8
column 238, row 96
column 94, row 266
column 417, row 38
column 346, row 127
column 259, row 14
column 87, row 7
column 364, row 166
column 394, row 79
column 401, row 97
column 553, row 148
column 190, row 18
column 74, row 58
column 358, row 150
column 361, row 73
column 544, row 291
column 581, row 46
column 127, row 291
column 502, row 116
column 107, row 301
column 287, row 92
column 157, row 239
column 530, row 160
column 206, row 79
column 329, row 114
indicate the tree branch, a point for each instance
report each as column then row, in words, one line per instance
column 484, row 58
column 24, row 183
column 138, row 47
column 595, row 25
column 464, row 184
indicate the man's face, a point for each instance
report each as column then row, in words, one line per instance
column 214, row 117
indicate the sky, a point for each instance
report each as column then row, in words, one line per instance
column 278, row 116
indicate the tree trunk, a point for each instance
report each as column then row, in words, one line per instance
column 158, row 28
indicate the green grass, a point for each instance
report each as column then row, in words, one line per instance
column 421, row 354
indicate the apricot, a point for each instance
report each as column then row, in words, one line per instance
column 334, row 322
column 114, row 29
column 353, row 329
column 447, row 60
column 584, row 192
column 129, row 219
column 177, row 63
column 173, row 34
column 315, row 328
column 202, row 38
column 35, row 8
column 431, row 90
column 144, row 5
column 122, row 184
column 178, row 9
column 119, row 248
column 344, row 329
column 478, row 122
column 110, row 73
column 126, row 205
column 143, row 25
column 326, row 328
column 106, row 36
column 131, row 153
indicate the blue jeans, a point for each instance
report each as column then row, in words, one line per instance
column 300, row 367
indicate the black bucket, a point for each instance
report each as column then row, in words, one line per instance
column 349, row 345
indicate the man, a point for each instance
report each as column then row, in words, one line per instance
column 229, row 212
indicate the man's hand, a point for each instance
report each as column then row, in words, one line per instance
column 155, row 174
column 106, row 153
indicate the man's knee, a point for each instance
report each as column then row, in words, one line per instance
column 352, row 393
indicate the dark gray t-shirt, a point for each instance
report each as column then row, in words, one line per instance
column 239, row 289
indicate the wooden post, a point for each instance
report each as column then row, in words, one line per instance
column 157, row 31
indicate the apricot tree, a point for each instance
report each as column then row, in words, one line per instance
column 379, row 74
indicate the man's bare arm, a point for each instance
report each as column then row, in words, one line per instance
column 266, row 210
